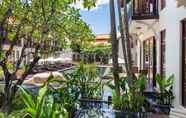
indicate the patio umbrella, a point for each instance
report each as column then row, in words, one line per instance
column 41, row 61
column 40, row 78
column 120, row 61
column 50, row 60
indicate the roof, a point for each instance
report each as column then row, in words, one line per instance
column 102, row 36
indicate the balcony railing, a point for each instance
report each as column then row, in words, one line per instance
column 145, row 9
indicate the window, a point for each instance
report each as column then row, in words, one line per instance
column 148, row 52
column 162, row 52
column 150, row 57
column 163, row 4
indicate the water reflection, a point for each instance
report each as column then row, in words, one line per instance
column 95, row 110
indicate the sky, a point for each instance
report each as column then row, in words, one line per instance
column 97, row 18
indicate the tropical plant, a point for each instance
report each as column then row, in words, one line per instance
column 14, row 114
column 165, row 86
column 114, row 47
column 98, row 53
column 131, row 98
column 86, row 79
column 43, row 105
column 67, row 95
column 37, row 23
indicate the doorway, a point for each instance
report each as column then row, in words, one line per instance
column 183, row 25
column 149, row 62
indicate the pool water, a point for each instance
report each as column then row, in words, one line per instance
column 96, row 109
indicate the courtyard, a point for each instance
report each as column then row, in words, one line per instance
column 92, row 59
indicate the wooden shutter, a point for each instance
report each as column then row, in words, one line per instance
column 163, row 4
column 162, row 53
column 184, row 63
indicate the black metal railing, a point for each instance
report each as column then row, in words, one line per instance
column 145, row 9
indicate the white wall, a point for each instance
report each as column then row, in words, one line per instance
column 120, row 51
column 170, row 18
column 134, row 51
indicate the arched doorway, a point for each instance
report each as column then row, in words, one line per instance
column 149, row 60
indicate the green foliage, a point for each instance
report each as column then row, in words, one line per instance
column 1, row 74
column 46, row 24
column 46, row 20
column 98, row 49
column 67, row 94
column 101, row 53
column 165, row 86
column 141, row 83
column 9, row 66
column 85, row 78
column 14, row 114
column 80, row 34
column 131, row 98
column 43, row 106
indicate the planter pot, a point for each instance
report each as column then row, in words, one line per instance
column 165, row 109
column 87, row 103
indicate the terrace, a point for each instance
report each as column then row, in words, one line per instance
column 145, row 9
column 89, row 78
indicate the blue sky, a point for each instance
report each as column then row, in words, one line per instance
column 98, row 19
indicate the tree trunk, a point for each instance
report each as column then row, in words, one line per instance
column 7, row 100
column 114, row 47
column 10, row 89
column 128, row 46
column 123, row 37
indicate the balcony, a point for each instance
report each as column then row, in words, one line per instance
column 145, row 9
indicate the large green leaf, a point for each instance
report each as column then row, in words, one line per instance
column 29, row 102
column 40, row 99
column 27, row 98
column 164, row 83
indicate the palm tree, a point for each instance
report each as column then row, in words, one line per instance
column 126, row 25
column 114, row 47
column 122, row 36
column 124, row 31
column 131, row 75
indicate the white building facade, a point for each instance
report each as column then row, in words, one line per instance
column 160, row 28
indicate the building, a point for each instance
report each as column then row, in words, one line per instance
column 134, row 52
column 160, row 30
column 16, row 52
column 102, row 39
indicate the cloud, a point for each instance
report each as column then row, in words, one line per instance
column 79, row 5
column 101, row 2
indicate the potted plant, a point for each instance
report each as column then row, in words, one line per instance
column 43, row 105
column 87, row 82
column 131, row 100
column 165, row 95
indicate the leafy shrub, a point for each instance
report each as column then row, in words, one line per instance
column 131, row 98
column 43, row 105
column 165, row 85
column 86, row 80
